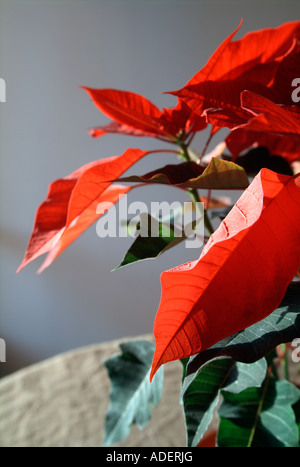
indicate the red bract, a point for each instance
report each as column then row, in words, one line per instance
column 111, row 195
column 241, row 276
column 264, row 48
column 271, row 125
column 287, row 71
column 257, row 62
column 70, row 206
column 134, row 115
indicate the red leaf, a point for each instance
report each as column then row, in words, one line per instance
column 241, row 276
column 249, row 63
column 181, row 119
column 288, row 69
column 264, row 48
column 111, row 195
column 96, row 179
column 68, row 208
column 130, row 109
column 223, row 97
column 273, row 126
column 51, row 216
column 118, row 128
column 213, row 68
column 269, row 116
column 134, row 115
column 241, row 138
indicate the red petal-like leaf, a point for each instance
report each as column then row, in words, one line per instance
column 264, row 48
column 51, row 216
column 224, row 96
column 95, row 180
column 130, row 109
column 270, row 117
column 241, row 276
column 241, row 138
column 136, row 116
column 216, row 65
column 70, row 203
column 273, row 126
column 288, row 69
column 68, row 235
column 181, row 119
column 118, row 128
column 247, row 63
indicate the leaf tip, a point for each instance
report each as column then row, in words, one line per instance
column 19, row 268
column 154, row 369
column 156, row 364
column 85, row 88
column 23, row 264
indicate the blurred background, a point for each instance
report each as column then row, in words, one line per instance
column 47, row 49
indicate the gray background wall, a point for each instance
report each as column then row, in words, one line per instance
column 47, row 49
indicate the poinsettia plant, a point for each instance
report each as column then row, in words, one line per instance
column 232, row 315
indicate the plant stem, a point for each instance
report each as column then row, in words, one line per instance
column 184, row 151
column 206, row 146
column 208, row 224
column 260, row 406
column 194, row 193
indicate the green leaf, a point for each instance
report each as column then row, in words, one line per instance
column 148, row 246
column 201, row 391
column 247, row 375
column 218, row 175
column 256, row 341
column 296, row 408
column 260, row 417
column 131, row 393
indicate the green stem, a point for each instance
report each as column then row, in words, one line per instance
column 194, row 193
column 184, row 151
column 260, row 406
column 208, row 224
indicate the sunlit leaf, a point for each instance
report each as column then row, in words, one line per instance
column 256, row 341
column 241, row 276
column 242, row 64
column 71, row 203
column 273, row 126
